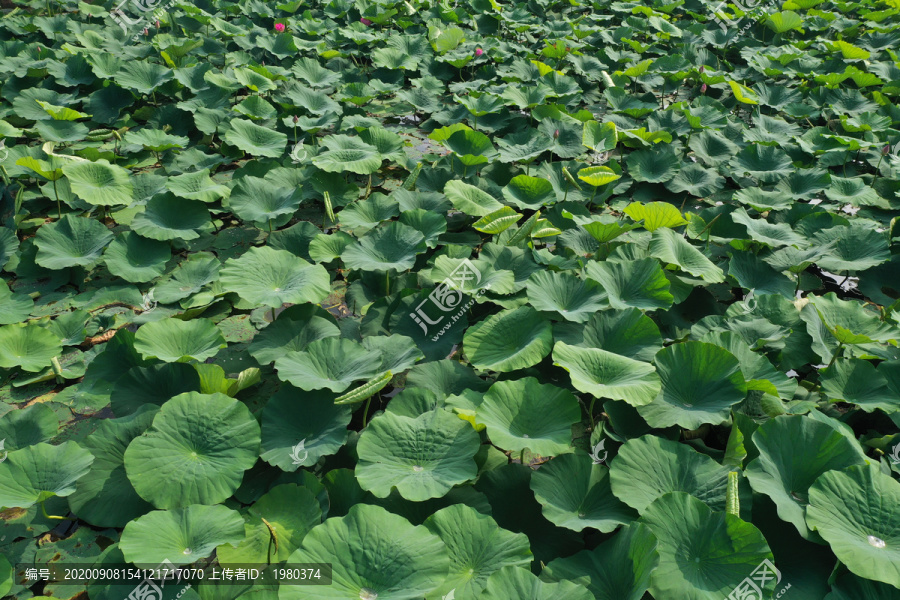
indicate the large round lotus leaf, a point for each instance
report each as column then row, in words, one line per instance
column 703, row 555
column 196, row 452
column 672, row 248
column 298, row 428
column 14, row 307
column 174, row 340
column 513, row 339
column 167, row 217
column 478, row 547
column 527, row 414
column 628, row 333
column 858, row 382
column 256, row 199
column 188, row 278
column 35, row 473
column 850, row 587
column 528, row 192
column 575, row 493
column 638, row 283
column 293, row 329
column 154, row 385
column 700, row 384
column 181, row 536
column 855, row 511
column 197, row 186
column 393, row 246
column 136, row 259
column 470, row 199
column 100, row 182
column 794, row 451
column 374, row 555
column 563, row 293
column 105, row 497
column 255, row 139
column 290, row 510
column 28, row 426
column 618, row 569
column 71, row 242
column 851, row 323
column 28, row 346
column 8, row 245
column 648, row 467
column 332, row 363
column 345, row 153
column 656, row 165
column 274, row 277
column 854, row 247
column 606, row 375
column 423, row 457
column 517, row 583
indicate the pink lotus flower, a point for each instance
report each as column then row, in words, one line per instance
column 157, row 24
column 146, row 31
column 556, row 134
column 279, row 27
column 478, row 51
column 703, row 89
column 365, row 21
column 886, row 150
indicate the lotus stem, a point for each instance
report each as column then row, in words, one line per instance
column 835, row 355
column 732, row 498
column 58, row 205
column 591, row 412
column 366, row 411
column 46, row 516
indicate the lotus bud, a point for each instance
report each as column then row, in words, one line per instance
column 146, row 31
column 365, row 21
column 296, row 119
column 279, row 27
column 157, row 24
column 703, row 89
column 702, row 69
column 478, row 51
column 886, row 150
column 556, row 134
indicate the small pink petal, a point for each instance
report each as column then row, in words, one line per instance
column 365, row 21
column 478, row 51
column 279, row 27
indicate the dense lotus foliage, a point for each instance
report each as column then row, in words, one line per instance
column 482, row 300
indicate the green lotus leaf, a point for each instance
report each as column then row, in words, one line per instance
column 374, row 554
column 324, row 248
column 854, row 247
column 346, row 153
column 188, row 278
column 273, row 277
column 105, row 497
column 497, row 222
column 471, row 147
column 28, row 426
column 332, row 363
column 851, row 323
column 174, row 340
column 143, row 76
column 478, row 548
column 700, row 384
column 363, row 215
column 856, row 381
column 510, row 340
column 14, row 307
column 604, row 374
column 655, row 165
column 423, row 457
column 153, row 384
column 529, row 193
column 136, row 259
column 100, row 183
column 290, row 511
column 167, row 217
column 629, row 333
column 293, row 329
column 35, row 473
column 648, row 467
column 671, row 248
column 27, row 346
column 471, row 200
column 180, row 536
column 298, row 428
column 255, row 139
column 398, row 352
column 527, row 414
column 71, row 242
column 696, row 180
column 566, row 295
column 597, row 176
column 618, row 569
column 767, row 164
column 637, row 283
column 655, row 215
column 517, row 583
column 156, row 140
column 703, row 555
column 575, row 493
column 256, row 199
column 771, row 234
column 393, row 246
column 197, row 186
column 8, row 245
column 850, row 587
column 793, row 452
column 196, row 452
column 855, row 511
